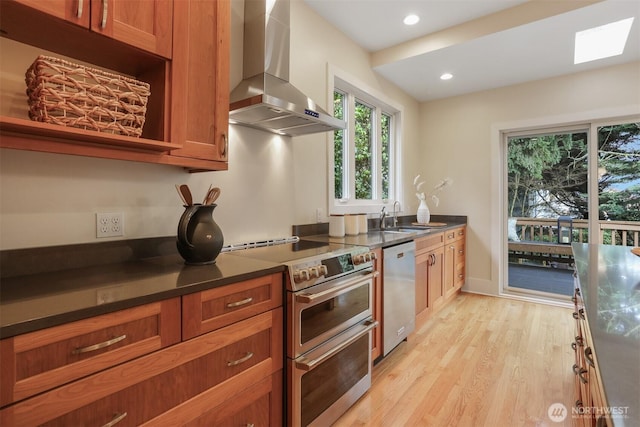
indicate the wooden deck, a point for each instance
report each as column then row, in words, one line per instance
column 544, row 279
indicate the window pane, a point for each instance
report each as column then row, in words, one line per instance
column 386, row 154
column 339, row 100
column 363, row 151
column 619, row 179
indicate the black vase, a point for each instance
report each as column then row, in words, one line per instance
column 199, row 239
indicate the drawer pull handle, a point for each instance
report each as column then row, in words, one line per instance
column 239, row 303
column 243, row 359
column 79, row 9
column 100, row 345
column 588, row 355
column 116, row 419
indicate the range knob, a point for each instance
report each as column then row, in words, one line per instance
column 301, row 275
column 365, row 257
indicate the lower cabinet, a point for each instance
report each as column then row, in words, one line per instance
column 376, row 337
column 589, row 395
column 231, row 374
column 440, row 270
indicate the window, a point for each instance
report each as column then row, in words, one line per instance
column 365, row 153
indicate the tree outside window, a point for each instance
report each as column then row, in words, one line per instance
column 363, row 153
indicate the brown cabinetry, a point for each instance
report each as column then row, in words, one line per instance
column 590, row 402
column 376, row 336
column 429, row 274
column 200, row 83
column 454, row 261
column 228, row 373
column 440, row 270
column 145, row 24
column 182, row 52
column 41, row 360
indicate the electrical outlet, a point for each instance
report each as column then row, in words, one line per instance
column 319, row 214
column 109, row 224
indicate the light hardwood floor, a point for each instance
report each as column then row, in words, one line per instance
column 480, row 361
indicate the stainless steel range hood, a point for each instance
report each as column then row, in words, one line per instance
column 265, row 99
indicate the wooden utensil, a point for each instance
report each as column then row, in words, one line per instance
column 186, row 194
column 212, row 196
column 184, row 202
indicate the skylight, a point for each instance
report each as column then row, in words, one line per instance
column 601, row 42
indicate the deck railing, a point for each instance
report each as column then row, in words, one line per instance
column 620, row 233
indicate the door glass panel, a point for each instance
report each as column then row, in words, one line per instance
column 619, row 184
column 547, row 209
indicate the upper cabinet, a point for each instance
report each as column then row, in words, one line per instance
column 145, row 24
column 182, row 52
column 200, row 80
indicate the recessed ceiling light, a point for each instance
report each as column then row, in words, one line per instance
column 411, row 19
column 601, row 42
column 446, row 76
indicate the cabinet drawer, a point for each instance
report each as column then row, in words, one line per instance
column 455, row 234
column 260, row 405
column 430, row 242
column 41, row 360
column 212, row 309
column 205, row 370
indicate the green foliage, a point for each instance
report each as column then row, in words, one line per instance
column 338, row 144
column 554, row 167
column 366, row 125
column 364, row 151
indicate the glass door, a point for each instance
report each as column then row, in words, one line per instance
column 551, row 202
column 547, row 208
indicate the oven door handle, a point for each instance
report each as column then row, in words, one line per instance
column 309, row 298
column 307, row 365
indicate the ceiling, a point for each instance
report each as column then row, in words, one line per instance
column 484, row 44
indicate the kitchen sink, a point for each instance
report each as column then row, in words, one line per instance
column 398, row 231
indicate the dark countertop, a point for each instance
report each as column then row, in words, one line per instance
column 384, row 238
column 37, row 301
column 609, row 280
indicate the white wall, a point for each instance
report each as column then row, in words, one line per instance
column 272, row 182
column 462, row 141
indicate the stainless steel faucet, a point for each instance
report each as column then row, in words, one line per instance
column 395, row 213
column 383, row 215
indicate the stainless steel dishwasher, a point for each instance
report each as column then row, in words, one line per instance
column 398, row 294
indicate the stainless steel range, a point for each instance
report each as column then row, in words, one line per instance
column 329, row 320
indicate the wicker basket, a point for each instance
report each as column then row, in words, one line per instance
column 69, row 94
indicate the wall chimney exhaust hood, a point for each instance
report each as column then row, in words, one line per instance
column 265, row 99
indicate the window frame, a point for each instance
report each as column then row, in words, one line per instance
column 356, row 90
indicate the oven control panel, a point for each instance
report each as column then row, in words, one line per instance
column 330, row 267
